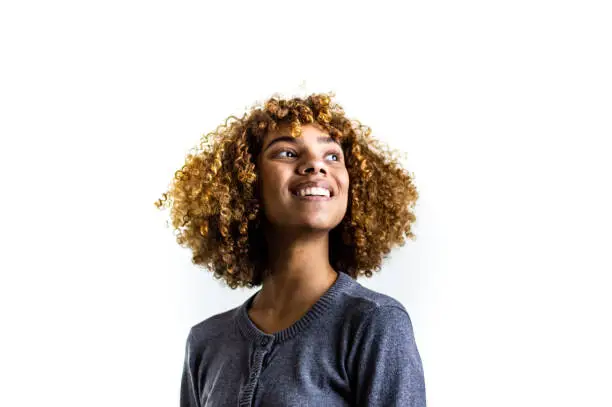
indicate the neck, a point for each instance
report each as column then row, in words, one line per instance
column 299, row 273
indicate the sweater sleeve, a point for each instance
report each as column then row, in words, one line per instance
column 389, row 369
column 189, row 390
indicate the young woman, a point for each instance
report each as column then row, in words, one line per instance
column 298, row 199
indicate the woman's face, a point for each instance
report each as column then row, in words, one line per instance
column 284, row 163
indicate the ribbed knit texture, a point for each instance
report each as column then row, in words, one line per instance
column 354, row 347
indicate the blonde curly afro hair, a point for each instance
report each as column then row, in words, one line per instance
column 215, row 203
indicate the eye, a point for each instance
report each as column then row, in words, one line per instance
column 286, row 151
column 336, row 154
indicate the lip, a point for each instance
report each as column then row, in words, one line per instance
column 312, row 198
column 313, row 184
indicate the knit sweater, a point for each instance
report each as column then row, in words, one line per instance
column 353, row 347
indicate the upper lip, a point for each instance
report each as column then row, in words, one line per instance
column 312, row 184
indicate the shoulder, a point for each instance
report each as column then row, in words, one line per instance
column 363, row 302
column 379, row 331
column 366, row 308
column 218, row 326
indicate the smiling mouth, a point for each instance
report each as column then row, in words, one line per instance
column 313, row 197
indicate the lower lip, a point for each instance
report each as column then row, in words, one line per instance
column 313, row 198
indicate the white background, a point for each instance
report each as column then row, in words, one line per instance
column 504, row 111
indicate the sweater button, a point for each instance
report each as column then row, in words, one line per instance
column 264, row 341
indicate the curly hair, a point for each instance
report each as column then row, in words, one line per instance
column 215, row 198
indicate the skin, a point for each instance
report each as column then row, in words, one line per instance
column 297, row 231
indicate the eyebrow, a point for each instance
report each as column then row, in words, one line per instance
column 320, row 139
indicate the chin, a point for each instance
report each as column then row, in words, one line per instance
column 319, row 225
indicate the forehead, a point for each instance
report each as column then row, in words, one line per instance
column 311, row 133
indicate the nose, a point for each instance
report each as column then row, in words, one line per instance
column 311, row 162
column 312, row 166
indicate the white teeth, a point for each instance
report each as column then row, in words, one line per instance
column 313, row 191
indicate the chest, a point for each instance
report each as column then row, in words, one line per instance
column 287, row 374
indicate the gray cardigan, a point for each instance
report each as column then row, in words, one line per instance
column 354, row 347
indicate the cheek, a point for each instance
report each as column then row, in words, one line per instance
column 344, row 180
column 271, row 180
